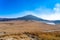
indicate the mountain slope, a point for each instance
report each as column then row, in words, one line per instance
column 31, row 17
column 57, row 21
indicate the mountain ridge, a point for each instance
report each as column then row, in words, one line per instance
column 30, row 17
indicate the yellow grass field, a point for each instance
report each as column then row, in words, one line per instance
column 28, row 30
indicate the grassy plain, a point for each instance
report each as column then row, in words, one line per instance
column 28, row 30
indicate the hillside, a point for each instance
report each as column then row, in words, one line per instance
column 28, row 30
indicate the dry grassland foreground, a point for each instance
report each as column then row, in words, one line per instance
column 28, row 30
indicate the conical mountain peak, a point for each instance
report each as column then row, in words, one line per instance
column 30, row 17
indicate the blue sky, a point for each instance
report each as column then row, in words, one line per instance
column 46, row 9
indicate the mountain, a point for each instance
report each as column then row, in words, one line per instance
column 57, row 21
column 27, row 17
column 31, row 17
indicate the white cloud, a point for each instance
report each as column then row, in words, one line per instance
column 42, row 12
column 45, row 13
column 55, row 14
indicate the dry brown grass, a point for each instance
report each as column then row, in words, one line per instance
column 21, row 29
column 22, row 26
